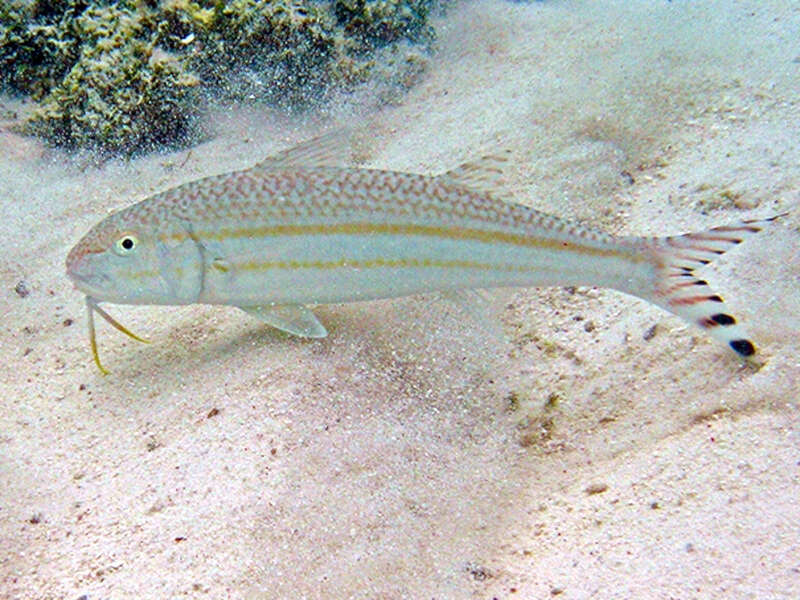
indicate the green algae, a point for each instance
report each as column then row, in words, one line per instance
column 133, row 75
column 123, row 94
column 380, row 23
column 282, row 52
column 37, row 44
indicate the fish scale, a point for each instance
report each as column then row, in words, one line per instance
column 296, row 230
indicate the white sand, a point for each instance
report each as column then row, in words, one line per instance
column 407, row 456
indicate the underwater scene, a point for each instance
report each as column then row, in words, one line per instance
column 431, row 299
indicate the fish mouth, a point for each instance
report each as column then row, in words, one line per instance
column 79, row 264
column 91, row 285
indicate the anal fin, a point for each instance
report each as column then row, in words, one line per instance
column 476, row 305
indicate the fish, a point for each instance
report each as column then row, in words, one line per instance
column 300, row 229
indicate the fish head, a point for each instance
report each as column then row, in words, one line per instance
column 117, row 261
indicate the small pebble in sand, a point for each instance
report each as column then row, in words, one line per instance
column 479, row 573
column 22, row 289
column 596, row 488
column 512, row 399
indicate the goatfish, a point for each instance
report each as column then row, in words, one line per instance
column 296, row 229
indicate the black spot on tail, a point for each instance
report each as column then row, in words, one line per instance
column 723, row 319
column 743, row 347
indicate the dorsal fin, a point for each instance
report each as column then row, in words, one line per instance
column 487, row 174
column 329, row 149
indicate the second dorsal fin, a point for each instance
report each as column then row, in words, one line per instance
column 486, row 174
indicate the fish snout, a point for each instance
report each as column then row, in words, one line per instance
column 78, row 267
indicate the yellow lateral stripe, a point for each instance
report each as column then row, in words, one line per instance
column 255, row 265
column 455, row 233
column 375, row 263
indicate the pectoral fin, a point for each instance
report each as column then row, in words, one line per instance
column 291, row 318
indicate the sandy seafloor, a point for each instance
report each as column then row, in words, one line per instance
column 411, row 454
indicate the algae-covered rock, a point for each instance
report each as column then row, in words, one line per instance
column 386, row 40
column 123, row 94
column 127, row 75
column 377, row 23
column 274, row 50
column 37, row 44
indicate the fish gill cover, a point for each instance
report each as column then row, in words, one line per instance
column 132, row 75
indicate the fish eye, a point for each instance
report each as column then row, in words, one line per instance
column 126, row 244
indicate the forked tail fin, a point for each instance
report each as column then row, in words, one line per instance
column 681, row 292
